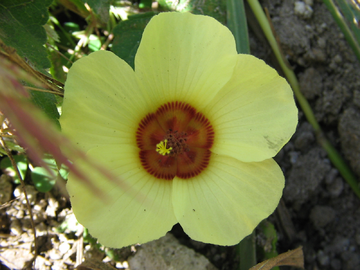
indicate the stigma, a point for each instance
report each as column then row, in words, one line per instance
column 162, row 149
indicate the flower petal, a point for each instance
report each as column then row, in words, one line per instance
column 137, row 210
column 254, row 115
column 227, row 200
column 102, row 103
column 184, row 57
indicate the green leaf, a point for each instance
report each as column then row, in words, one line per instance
column 127, row 36
column 21, row 27
column 12, row 147
column 236, row 22
column 21, row 163
column 100, row 7
column 42, row 180
column 213, row 8
column 47, row 103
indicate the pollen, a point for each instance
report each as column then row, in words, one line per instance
column 162, row 149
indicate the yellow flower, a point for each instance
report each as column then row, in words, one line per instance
column 191, row 132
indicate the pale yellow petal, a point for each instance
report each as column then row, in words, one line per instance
column 227, row 200
column 136, row 210
column 255, row 114
column 102, row 103
column 184, row 57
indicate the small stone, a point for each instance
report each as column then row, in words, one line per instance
column 311, row 83
column 41, row 229
column 20, row 214
column 294, row 156
column 303, row 10
column 322, row 215
column 64, row 247
column 321, row 43
column 336, row 187
column 351, row 260
column 52, row 207
column 31, row 194
column 330, row 177
column 54, row 254
column 338, row 245
column 17, row 258
column 15, row 227
column 338, row 59
column 26, row 224
column 167, row 253
column 304, row 140
column 335, row 264
column 5, row 188
column 323, row 259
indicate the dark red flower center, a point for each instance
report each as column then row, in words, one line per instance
column 175, row 141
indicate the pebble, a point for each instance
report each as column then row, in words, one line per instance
column 335, row 264
column 294, row 156
column 336, row 187
column 5, row 188
column 64, row 247
column 26, row 224
column 15, row 227
column 168, row 253
column 323, row 258
column 41, row 229
column 54, row 254
column 338, row 59
column 322, row 215
column 52, row 207
column 331, row 176
column 351, row 260
column 303, row 10
column 304, row 140
column 31, row 194
column 322, row 43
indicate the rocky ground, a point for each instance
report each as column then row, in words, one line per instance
column 318, row 210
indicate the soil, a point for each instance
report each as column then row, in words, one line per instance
column 318, row 211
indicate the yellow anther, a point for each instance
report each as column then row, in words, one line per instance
column 162, row 149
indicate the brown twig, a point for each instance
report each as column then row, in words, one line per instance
column 26, row 197
column 11, row 55
column 43, row 90
column 58, row 52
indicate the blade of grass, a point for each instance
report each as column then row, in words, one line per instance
column 333, row 155
column 350, row 15
column 354, row 44
column 236, row 22
column 246, row 250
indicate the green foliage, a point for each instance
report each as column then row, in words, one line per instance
column 213, row 8
column 43, row 180
column 100, row 7
column 21, row 27
column 269, row 233
column 21, row 163
column 127, row 36
column 47, row 103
